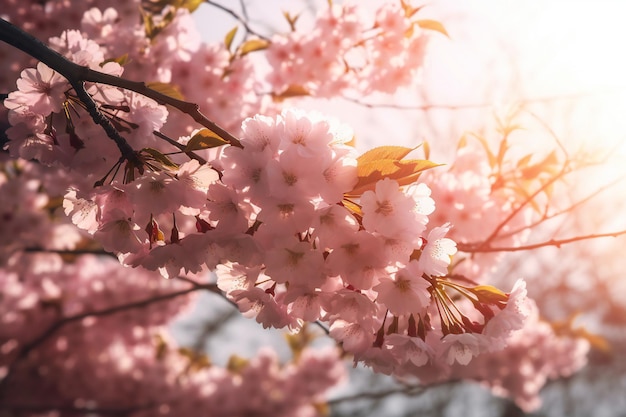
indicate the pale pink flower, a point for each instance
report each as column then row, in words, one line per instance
column 406, row 292
column 232, row 276
column 99, row 24
column 409, row 349
column 194, row 181
column 354, row 337
column 380, row 360
column 388, row 210
column 146, row 113
column 351, row 306
column 358, row 258
column 42, row 90
column 339, row 173
column 332, row 224
column 292, row 177
column 119, row 234
column 82, row 212
column 257, row 303
column 436, row 254
column 228, row 209
column 462, row 347
column 511, row 318
column 170, row 259
column 303, row 303
column 285, row 216
column 259, row 134
column 295, row 262
column 307, row 133
column 156, row 193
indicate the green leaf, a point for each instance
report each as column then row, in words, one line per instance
column 204, row 139
column 384, row 152
column 404, row 172
column 228, row 40
column 252, row 45
column 167, row 89
column 429, row 24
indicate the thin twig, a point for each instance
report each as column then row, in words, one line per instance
column 59, row 324
column 552, row 242
column 408, row 390
column 77, row 73
column 181, row 147
column 478, row 105
column 240, row 19
column 70, row 410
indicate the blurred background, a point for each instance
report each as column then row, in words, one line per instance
column 554, row 68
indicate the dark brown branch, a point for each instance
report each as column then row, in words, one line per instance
column 77, row 73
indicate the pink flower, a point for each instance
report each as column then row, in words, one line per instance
column 406, row 292
column 307, row 133
column 462, row 347
column 295, row 262
column 511, row 318
column 355, row 338
column 436, row 254
column 42, row 90
column 82, row 212
column 389, row 211
column 409, row 349
column 119, row 234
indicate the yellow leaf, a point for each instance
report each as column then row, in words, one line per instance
column 191, row 5
column 122, row 60
column 291, row 91
column 252, row 45
column 352, row 206
column 228, row 40
column 204, row 139
column 404, row 172
column 169, row 90
column 490, row 293
column 236, row 364
column 429, row 24
column 384, row 152
column 159, row 157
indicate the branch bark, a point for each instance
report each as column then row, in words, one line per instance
column 78, row 74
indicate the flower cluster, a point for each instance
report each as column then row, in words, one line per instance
column 297, row 227
column 141, row 376
column 534, row 355
column 366, row 264
column 346, row 52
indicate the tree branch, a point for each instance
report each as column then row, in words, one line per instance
column 469, row 248
column 77, row 74
column 242, row 20
column 58, row 325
